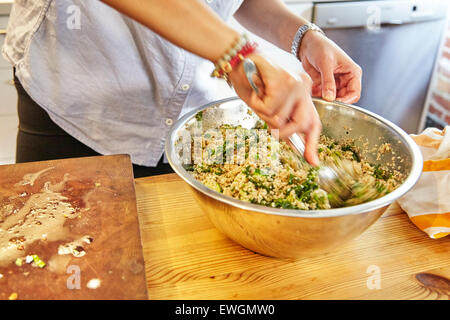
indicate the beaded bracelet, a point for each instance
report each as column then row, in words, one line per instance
column 242, row 48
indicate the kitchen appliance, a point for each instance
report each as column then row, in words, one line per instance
column 396, row 43
column 294, row 233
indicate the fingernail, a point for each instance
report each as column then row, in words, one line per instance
column 329, row 95
column 316, row 161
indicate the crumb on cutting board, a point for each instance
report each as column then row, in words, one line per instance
column 13, row 296
column 94, row 283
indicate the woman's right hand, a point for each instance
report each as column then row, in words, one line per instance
column 284, row 102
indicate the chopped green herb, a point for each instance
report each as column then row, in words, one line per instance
column 292, row 178
column 188, row 167
column 260, row 185
column 38, row 261
column 215, row 186
column 337, row 154
column 381, row 173
column 355, row 154
column 199, row 116
column 347, row 148
column 202, row 168
column 19, row 262
column 304, row 190
column 284, row 203
column 246, row 171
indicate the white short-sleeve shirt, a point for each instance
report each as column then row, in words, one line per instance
column 108, row 81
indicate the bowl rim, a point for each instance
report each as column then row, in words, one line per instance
column 411, row 180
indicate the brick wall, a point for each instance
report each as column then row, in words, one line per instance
column 439, row 107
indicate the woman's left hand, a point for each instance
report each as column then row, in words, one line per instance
column 335, row 75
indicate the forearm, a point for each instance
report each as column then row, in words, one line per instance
column 271, row 20
column 190, row 25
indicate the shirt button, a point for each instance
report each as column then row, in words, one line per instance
column 185, row 87
column 169, row 121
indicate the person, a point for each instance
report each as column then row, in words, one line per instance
column 107, row 77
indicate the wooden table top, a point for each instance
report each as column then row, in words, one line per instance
column 187, row 258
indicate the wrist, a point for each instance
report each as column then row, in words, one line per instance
column 227, row 40
column 238, row 72
column 232, row 58
column 309, row 38
column 305, row 35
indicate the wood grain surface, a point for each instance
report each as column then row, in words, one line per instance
column 187, row 258
column 101, row 192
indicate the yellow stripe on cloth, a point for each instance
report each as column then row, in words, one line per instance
column 428, row 203
column 436, row 165
column 426, row 221
column 437, row 232
column 440, row 235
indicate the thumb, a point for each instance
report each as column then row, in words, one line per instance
column 328, row 84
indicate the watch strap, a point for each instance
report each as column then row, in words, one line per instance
column 300, row 34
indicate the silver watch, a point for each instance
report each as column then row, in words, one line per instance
column 300, row 34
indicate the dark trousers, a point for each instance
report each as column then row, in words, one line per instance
column 39, row 138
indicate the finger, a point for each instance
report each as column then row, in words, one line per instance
column 270, row 94
column 312, row 136
column 341, row 93
column 256, row 103
column 290, row 128
column 352, row 92
column 269, row 121
column 316, row 90
column 312, row 72
column 328, row 83
column 305, row 120
column 300, row 119
column 260, row 85
column 283, row 114
column 341, row 83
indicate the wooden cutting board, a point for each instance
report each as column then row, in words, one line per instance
column 79, row 217
column 187, row 258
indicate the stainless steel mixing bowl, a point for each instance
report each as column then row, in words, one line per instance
column 288, row 233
